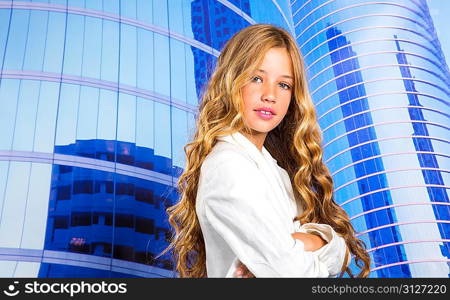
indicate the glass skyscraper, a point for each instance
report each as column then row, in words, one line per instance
column 97, row 100
column 381, row 89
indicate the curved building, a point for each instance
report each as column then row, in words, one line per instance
column 98, row 98
column 381, row 89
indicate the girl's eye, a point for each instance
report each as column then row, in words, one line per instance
column 257, row 79
column 285, row 86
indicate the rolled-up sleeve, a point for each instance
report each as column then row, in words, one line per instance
column 239, row 209
column 331, row 254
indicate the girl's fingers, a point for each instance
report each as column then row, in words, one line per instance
column 247, row 273
column 240, row 270
column 243, row 272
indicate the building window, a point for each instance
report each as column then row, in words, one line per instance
column 124, row 221
column 144, row 195
column 144, row 258
column 64, row 169
column 60, row 222
column 83, row 187
column 79, row 245
column 145, row 165
column 145, row 226
column 125, row 189
column 81, row 219
column 63, row 192
column 108, row 219
column 164, row 233
column 105, row 156
column 104, row 187
column 123, row 252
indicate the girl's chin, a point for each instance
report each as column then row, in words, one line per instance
column 261, row 130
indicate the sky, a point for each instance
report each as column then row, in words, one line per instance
column 440, row 12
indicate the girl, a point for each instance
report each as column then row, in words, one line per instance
column 256, row 197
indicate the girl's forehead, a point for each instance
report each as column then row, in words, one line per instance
column 277, row 60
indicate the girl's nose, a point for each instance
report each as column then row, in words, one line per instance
column 268, row 93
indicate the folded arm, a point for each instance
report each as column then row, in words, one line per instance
column 239, row 210
column 334, row 252
column 314, row 240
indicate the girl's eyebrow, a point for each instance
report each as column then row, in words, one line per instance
column 285, row 76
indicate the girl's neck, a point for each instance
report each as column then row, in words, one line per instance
column 257, row 138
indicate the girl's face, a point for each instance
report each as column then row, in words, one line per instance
column 268, row 94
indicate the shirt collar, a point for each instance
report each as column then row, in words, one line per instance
column 240, row 140
column 267, row 164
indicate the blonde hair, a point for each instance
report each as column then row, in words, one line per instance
column 221, row 113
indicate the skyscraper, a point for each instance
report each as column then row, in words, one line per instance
column 97, row 100
column 381, row 88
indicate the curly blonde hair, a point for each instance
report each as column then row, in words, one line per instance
column 295, row 143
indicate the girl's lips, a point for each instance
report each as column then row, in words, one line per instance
column 263, row 115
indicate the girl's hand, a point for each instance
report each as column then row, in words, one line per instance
column 312, row 242
column 243, row 272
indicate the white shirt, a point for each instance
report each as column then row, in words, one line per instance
column 245, row 206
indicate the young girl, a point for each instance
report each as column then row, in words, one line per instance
column 256, row 197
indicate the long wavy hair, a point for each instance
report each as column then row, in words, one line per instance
column 295, row 143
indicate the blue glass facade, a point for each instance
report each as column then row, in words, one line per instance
column 381, row 89
column 98, row 98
